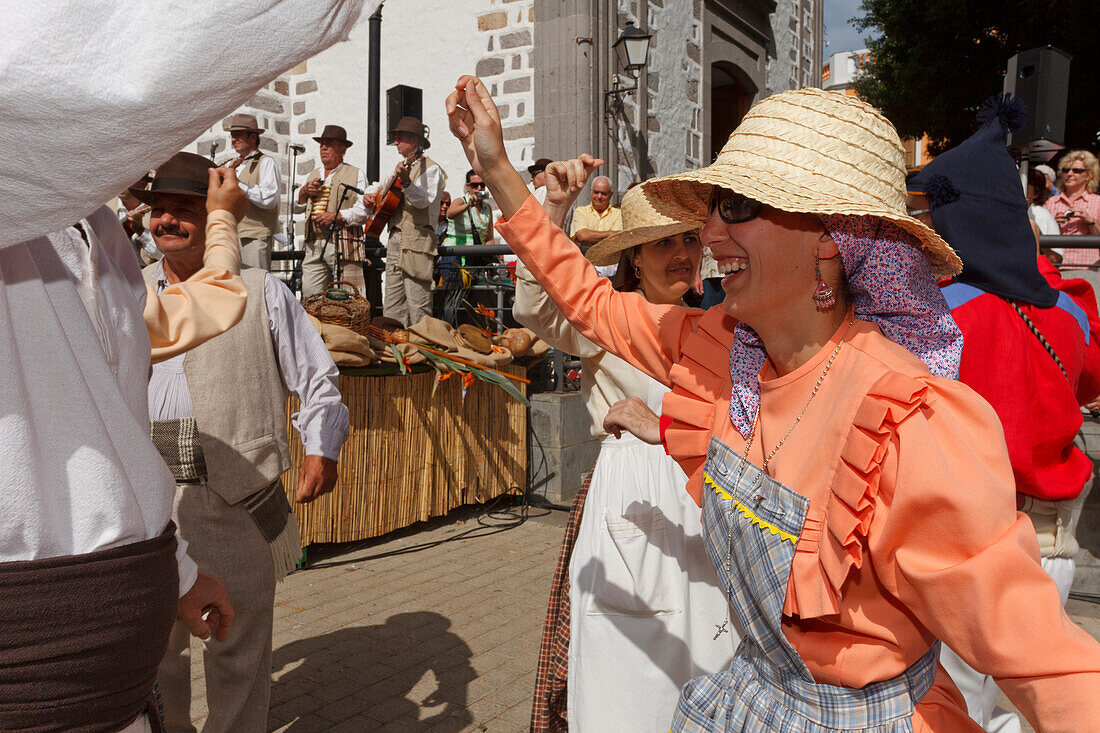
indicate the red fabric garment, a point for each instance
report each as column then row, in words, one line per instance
column 1005, row 363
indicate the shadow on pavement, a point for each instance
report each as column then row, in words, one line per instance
column 410, row 673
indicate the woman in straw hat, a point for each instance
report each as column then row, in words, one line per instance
column 627, row 624
column 858, row 503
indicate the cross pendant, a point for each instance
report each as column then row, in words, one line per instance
column 721, row 630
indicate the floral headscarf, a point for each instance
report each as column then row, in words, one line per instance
column 891, row 284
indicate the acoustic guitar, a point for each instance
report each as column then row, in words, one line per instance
column 389, row 199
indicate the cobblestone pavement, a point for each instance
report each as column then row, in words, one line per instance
column 433, row 628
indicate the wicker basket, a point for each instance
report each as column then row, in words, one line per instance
column 341, row 305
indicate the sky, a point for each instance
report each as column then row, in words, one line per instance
column 839, row 34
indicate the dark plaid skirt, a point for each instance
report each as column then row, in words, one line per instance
column 548, row 711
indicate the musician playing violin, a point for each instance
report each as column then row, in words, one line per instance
column 258, row 177
column 411, row 248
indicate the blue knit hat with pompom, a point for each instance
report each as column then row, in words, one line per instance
column 978, row 206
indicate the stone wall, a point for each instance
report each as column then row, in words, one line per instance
column 508, row 31
column 284, row 108
column 675, row 80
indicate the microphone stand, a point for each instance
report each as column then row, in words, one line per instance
column 296, row 271
column 332, row 230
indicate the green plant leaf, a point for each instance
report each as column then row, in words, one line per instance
column 501, row 381
column 400, row 360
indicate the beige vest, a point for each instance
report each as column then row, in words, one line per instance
column 239, row 399
column 344, row 173
column 258, row 223
column 417, row 227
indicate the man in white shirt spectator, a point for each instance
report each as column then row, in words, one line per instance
column 259, row 179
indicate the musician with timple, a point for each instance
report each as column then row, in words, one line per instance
column 411, row 248
column 258, row 177
column 330, row 195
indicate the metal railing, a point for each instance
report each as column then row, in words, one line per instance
column 1070, row 241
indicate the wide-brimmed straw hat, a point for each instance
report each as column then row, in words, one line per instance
column 814, row 152
column 684, row 210
column 186, row 174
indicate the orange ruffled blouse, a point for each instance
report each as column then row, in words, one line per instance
column 912, row 533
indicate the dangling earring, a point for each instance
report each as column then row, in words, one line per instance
column 823, row 295
column 637, row 272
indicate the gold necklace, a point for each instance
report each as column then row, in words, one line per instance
column 722, row 628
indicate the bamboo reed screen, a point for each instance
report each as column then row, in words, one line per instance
column 412, row 456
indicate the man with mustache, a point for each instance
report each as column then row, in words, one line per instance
column 218, row 417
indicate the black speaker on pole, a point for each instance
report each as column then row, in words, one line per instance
column 1040, row 77
column 402, row 101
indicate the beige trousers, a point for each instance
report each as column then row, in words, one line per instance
column 318, row 271
column 257, row 252
column 406, row 298
column 224, row 540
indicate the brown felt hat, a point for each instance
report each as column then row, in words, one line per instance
column 412, row 126
column 538, row 166
column 334, row 132
column 186, row 174
column 245, row 123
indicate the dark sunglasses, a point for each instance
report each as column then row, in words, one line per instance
column 733, row 207
column 1078, row 171
column 476, row 184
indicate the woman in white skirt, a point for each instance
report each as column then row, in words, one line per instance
column 635, row 620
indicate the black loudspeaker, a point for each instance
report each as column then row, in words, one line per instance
column 402, row 101
column 1040, row 77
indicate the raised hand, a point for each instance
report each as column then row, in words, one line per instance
column 566, row 178
column 475, row 121
column 224, row 193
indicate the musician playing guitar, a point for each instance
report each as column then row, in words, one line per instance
column 411, row 249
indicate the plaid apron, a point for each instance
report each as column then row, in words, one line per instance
column 768, row 687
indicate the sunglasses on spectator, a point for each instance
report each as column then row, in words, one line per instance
column 1078, row 171
column 476, row 184
column 733, row 207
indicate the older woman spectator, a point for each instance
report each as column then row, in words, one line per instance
column 1077, row 207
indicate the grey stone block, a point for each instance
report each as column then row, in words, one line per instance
column 516, row 39
column 1087, row 577
column 521, row 84
column 560, row 447
column 489, row 67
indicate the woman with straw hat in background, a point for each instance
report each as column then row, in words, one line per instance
column 628, row 619
column 858, row 503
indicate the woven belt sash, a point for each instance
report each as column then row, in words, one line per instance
column 178, row 443
column 82, row 636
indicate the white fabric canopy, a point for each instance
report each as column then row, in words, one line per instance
column 95, row 93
